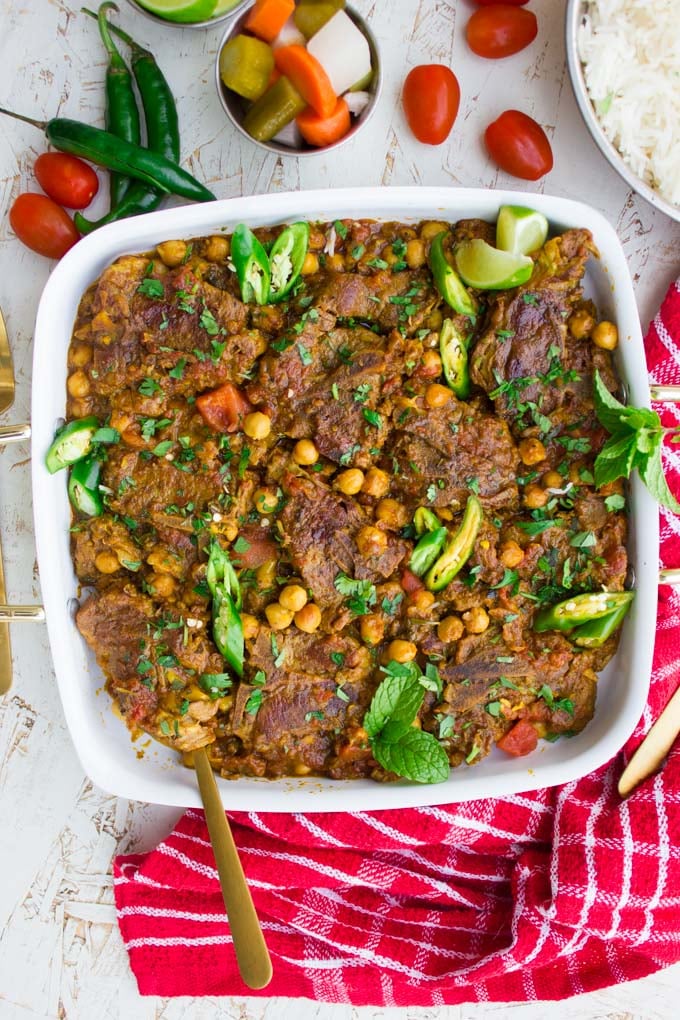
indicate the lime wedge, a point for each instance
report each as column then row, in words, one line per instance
column 223, row 6
column 520, row 230
column 180, row 10
column 488, row 268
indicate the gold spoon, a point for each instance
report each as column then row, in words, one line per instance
column 251, row 951
column 7, row 390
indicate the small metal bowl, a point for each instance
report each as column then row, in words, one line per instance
column 235, row 106
column 208, row 23
column 574, row 17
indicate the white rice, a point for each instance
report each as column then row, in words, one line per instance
column 630, row 50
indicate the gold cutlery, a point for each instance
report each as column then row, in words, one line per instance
column 7, row 390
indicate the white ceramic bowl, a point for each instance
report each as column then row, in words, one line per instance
column 103, row 743
column 235, row 107
column 574, row 18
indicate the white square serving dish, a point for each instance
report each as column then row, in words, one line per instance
column 102, row 741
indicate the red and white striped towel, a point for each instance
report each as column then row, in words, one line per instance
column 530, row 897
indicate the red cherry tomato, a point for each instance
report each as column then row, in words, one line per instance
column 66, row 179
column 431, row 99
column 520, row 740
column 42, row 225
column 500, row 31
column 519, row 145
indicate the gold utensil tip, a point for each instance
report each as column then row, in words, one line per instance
column 251, row 950
column 7, row 384
column 652, row 751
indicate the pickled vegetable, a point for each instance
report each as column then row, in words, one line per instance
column 272, row 111
column 311, row 15
column 343, row 52
column 246, row 65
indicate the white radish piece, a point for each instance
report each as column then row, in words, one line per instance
column 289, row 135
column 290, row 35
column 357, row 102
column 342, row 51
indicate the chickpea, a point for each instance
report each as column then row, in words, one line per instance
column 431, row 228
column 172, row 253
column 81, row 355
column 349, row 482
column 581, row 324
column 415, row 254
column 434, row 322
column 401, row 651
column 606, row 336
column 421, row 602
column 310, row 265
column 371, row 541
column 106, row 563
column 163, row 585
column 392, row 513
column 265, row 575
column 450, row 629
column 278, row 617
column 511, row 555
column 376, row 482
column 535, row 497
column 580, row 473
column 79, row 408
column 305, row 453
column 217, row 249
column 335, row 263
column 476, row 620
column 317, row 239
column 265, row 501
column 552, row 480
column 372, row 629
column 431, row 365
column 293, row 597
column 257, row 425
column 250, row 625
column 78, row 384
column 437, row 395
column 531, row 451
column 308, row 619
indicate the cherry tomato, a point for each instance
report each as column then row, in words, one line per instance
column 520, row 740
column 42, row 225
column 431, row 99
column 495, row 3
column 500, row 31
column 519, row 145
column 66, row 179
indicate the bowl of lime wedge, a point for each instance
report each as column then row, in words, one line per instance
column 189, row 13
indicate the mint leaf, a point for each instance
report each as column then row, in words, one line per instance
column 615, row 459
column 397, row 699
column 614, row 502
column 646, row 441
column 417, row 756
column 610, row 412
column 652, row 474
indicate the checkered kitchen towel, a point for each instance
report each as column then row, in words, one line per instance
column 539, row 896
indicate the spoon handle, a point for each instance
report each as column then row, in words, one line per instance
column 251, row 950
column 654, row 748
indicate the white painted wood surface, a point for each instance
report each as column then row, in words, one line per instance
column 60, row 951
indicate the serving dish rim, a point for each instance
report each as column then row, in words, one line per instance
column 111, row 762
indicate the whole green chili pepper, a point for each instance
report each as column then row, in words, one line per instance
column 424, row 520
column 427, row 550
column 458, row 549
column 71, row 443
column 286, row 259
column 122, row 116
column 104, row 149
column 453, row 352
column 595, row 633
column 449, row 283
column 83, row 487
column 581, row 609
column 251, row 264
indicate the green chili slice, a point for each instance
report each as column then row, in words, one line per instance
column 454, row 355
column 581, row 609
column 424, row 520
column 458, row 549
column 449, row 283
column 71, row 443
column 251, row 264
column 83, row 487
column 286, row 259
column 595, row 633
column 427, row 550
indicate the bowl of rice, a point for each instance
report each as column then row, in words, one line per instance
column 624, row 63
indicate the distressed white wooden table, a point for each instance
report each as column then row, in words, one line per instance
column 60, row 951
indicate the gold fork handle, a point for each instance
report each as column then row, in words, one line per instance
column 669, row 575
column 665, row 394
column 14, row 434
column 21, row 614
